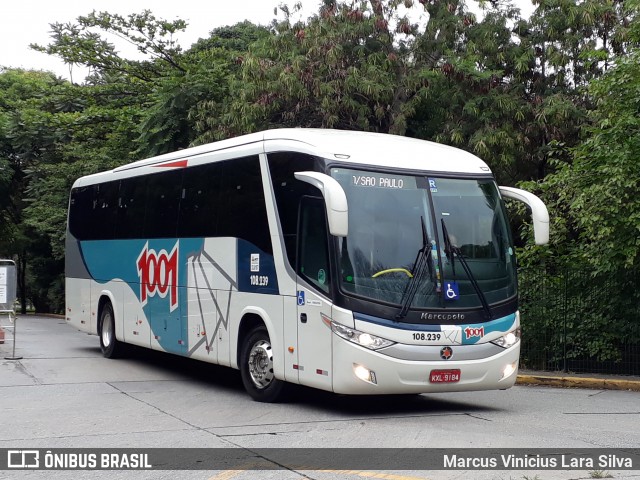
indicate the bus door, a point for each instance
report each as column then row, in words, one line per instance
column 313, row 288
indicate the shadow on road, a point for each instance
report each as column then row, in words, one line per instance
column 374, row 405
column 228, row 380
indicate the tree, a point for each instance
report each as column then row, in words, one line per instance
column 595, row 212
column 369, row 65
column 590, row 190
column 54, row 132
column 172, row 122
column 168, row 84
column 600, row 186
column 351, row 66
column 508, row 89
column 83, row 44
column 26, row 139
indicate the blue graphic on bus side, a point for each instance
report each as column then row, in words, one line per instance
column 156, row 271
column 301, row 300
column 258, row 276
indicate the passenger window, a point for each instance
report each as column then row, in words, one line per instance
column 163, row 199
column 200, row 201
column 313, row 246
column 103, row 218
column 80, row 212
column 93, row 211
column 131, row 208
column 242, row 211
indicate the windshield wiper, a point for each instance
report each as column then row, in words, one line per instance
column 422, row 262
column 448, row 247
column 451, row 250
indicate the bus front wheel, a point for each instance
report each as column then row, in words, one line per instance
column 256, row 368
column 110, row 346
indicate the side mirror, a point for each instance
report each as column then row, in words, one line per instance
column 539, row 212
column 334, row 198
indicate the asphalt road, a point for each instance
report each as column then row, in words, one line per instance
column 64, row 394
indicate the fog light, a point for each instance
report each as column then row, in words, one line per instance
column 509, row 369
column 363, row 373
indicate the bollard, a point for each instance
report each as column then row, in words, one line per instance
column 13, row 319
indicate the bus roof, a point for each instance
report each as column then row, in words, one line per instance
column 384, row 150
column 347, row 147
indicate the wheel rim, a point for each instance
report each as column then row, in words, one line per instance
column 107, row 329
column 261, row 364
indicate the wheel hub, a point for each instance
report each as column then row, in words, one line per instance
column 261, row 364
column 107, row 330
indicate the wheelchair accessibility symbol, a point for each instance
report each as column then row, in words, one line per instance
column 301, row 300
column 451, row 292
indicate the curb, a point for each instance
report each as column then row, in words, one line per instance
column 579, row 382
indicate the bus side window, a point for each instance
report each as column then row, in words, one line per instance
column 80, row 211
column 163, row 198
column 288, row 191
column 313, row 251
column 242, row 210
column 200, row 203
column 131, row 208
column 103, row 219
column 93, row 210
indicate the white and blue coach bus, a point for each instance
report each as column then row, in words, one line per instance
column 352, row 262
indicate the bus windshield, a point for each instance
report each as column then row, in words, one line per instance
column 458, row 223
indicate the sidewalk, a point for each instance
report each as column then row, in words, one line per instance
column 579, row 380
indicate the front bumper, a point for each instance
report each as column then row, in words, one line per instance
column 397, row 376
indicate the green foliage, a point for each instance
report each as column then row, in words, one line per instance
column 172, row 120
column 27, row 108
column 594, row 198
column 342, row 68
column 604, row 175
column 234, row 39
column 83, row 43
column 595, row 220
column 53, row 132
column 550, row 102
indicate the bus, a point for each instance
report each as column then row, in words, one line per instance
column 352, row 262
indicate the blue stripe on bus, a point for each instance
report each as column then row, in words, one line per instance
column 503, row 324
column 166, row 308
column 109, row 260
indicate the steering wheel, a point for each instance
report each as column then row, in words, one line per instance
column 392, row 270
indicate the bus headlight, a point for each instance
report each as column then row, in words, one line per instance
column 363, row 339
column 508, row 339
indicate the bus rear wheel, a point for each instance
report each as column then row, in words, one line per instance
column 256, row 368
column 110, row 346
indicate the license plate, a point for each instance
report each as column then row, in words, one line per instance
column 445, row 376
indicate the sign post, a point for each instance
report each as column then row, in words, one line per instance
column 8, row 284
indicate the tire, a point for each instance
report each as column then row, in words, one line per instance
column 110, row 346
column 256, row 368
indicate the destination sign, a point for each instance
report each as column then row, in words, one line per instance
column 383, row 181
